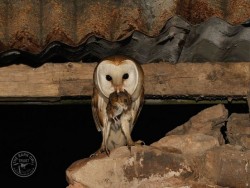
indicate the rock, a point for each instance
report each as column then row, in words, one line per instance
column 76, row 185
column 245, row 141
column 144, row 166
column 238, row 124
column 190, row 144
column 217, row 133
column 209, row 117
column 208, row 121
column 204, row 122
column 227, row 166
column 192, row 155
column 238, row 130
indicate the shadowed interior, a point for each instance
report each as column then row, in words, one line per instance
column 61, row 134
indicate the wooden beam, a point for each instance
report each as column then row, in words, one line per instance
column 54, row 81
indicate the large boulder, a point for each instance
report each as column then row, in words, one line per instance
column 227, row 166
column 141, row 167
column 192, row 155
column 238, row 130
column 188, row 144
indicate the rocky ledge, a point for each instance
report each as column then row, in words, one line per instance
column 210, row 150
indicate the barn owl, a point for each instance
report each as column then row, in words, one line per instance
column 118, row 96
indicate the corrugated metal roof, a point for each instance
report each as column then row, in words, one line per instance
column 91, row 29
column 216, row 40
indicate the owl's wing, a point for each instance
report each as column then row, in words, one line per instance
column 98, row 110
column 137, row 106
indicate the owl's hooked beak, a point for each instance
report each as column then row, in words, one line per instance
column 118, row 89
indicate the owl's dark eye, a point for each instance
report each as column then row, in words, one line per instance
column 125, row 76
column 108, row 77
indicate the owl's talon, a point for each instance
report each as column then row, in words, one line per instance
column 107, row 151
column 140, row 142
column 92, row 155
column 129, row 148
column 99, row 151
column 95, row 154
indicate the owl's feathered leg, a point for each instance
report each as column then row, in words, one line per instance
column 105, row 135
column 126, row 129
column 104, row 146
column 125, row 126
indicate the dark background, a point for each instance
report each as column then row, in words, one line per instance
column 61, row 134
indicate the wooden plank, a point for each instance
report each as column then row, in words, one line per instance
column 202, row 79
column 53, row 81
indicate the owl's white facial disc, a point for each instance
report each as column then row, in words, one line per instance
column 110, row 75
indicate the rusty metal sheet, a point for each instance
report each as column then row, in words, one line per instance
column 213, row 40
column 217, row 40
column 166, row 46
column 31, row 25
column 34, row 32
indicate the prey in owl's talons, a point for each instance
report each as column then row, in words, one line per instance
column 117, row 105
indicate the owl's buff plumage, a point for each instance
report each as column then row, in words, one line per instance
column 118, row 96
